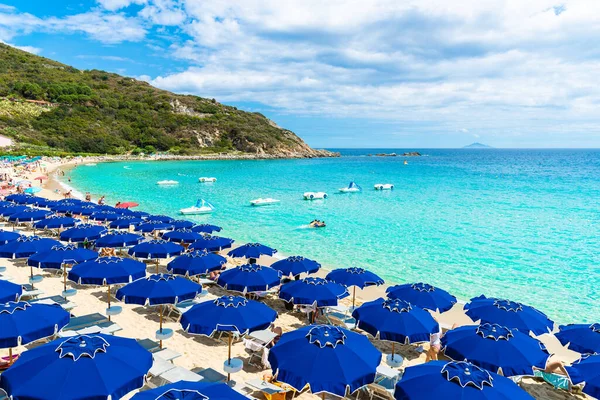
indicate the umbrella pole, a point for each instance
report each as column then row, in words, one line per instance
column 108, row 299
column 393, row 345
column 157, row 265
column 31, row 275
column 229, row 356
column 10, row 356
column 353, row 296
column 161, row 323
column 65, row 280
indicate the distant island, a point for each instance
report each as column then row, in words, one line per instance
column 477, row 145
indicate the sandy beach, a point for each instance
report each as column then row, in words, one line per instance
column 198, row 351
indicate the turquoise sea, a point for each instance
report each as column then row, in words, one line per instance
column 519, row 224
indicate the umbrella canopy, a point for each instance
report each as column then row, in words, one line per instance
column 395, row 320
column 107, row 270
column 153, row 249
column 249, row 278
column 152, row 225
column 8, row 236
column 191, row 391
column 296, row 265
column 158, row 289
column 22, row 323
column 125, row 222
column 83, row 233
column 58, row 255
column 26, row 246
column 17, row 197
column 81, row 367
column 9, row 291
column 161, row 218
column 358, row 277
column 423, row 295
column 206, row 228
column 252, row 250
column 212, row 243
column 328, row 359
column 227, row 314
column 310, row 291
column 587, row 370
column 85, row 209
column 182, row 235
column 139, row 214
column 195, row 263
column 182, row 224
column 118, row 240
column 508, row 313
column 6, row 211
column 583, row 338
column 64, row 207
column 496, row 348
column 103, row 216
column 30, row 215
column 127, row 204
column 455, row 381
column 42, row 202
column 56, row 222
column 33, row 189
column 32, row 200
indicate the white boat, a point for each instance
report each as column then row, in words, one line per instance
column 167, row 182
column 384, row 186
column 204, row 179
column 315, row 195
column 201, row 207
column 263, row 202
column 90, row 164
column 352, row 187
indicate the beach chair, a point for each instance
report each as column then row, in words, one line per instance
column 29, row 292
column 376, row 391
column 340, row 319
column 556, row 380
column 85, row 321
column 149, row 345
column 210, row 375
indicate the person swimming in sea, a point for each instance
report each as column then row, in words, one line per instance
column 317, row 224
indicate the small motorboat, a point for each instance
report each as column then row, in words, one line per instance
column 317, row 224
column 167, row 182
column 201, row 207
column 315, row 195
column 352, row 187
column 384, row 186
column 204, row 180
column 263, row 202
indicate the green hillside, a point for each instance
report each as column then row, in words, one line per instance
column 48, row 106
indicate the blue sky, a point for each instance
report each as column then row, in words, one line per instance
column 380, row 73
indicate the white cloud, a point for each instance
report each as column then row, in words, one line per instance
column 113, row 5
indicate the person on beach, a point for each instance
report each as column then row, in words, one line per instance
column 88, row 196
column 101, row 201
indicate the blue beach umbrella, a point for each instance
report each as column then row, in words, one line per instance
column 583, row 338
column 26, row 246
column 85, row 209
column 4, row 203
column 22, row 323
column 455, row 381
column 119, row 240
column 233, row 314
column 32, row 190
column 249, row 278
column 9, row 291
column 17, row 198
column 587, row 370
column 81, row 367
column 296, row 265
column 31, row 200
column 311, row 291
column 159, row 289
column 29, row 215
column 191, row 391
column 495, row 348
column 211, row 243
column 182, row 235
column 206, row 228
column 161, row 218
column 152, row 225
column 423, row 295
column 7, row 236
column 83, row 233
column 57, row 256
column 155, row 250
column 327, row 359
column 104, row 216
column 182, row 224
column 355, row 277
column 125, row 222
column 508, row 313
column 7, row 211
column 73, row 200
column 252, row 250
column 196, row 262
column 138, row 214
column 55, row 222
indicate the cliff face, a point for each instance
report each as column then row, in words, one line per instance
column 49, row 106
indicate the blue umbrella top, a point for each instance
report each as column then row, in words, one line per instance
column 55, row 222
column 395, row 320
column 58, row 255
column 455, row 380
column 508, row 313
column 182, row 235
column 119, row 239
column 85, row 209
column 206, row 228
column 94, row 366
column 153, row 249
column 83, row 233
column 6, row 211
column 30, row 215
column 26, row 246
column 252, row 250
column 586, row 371
column 191, row 391
column 125, row 222
column 64, row 207
column 158, row 289
column 31, row 200
column 249, row 278
column 496, row 348
column 138, row 214
column 196, row 262
column 182, row 224
column 9, row 291
column 161, row 218
column 296, row 265
column 423, row 295
column 582, row 338
column 103, row 216
column 8, row 236
column 17, row 197
column 311, row 291
column 211, row 243
column 326, row 358
column 22, row 323
column 107, row 271
column 358, row 277
column 152, row 225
